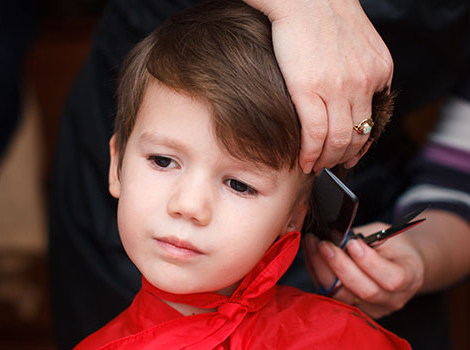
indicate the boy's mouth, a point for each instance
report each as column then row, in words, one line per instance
column 177, row 248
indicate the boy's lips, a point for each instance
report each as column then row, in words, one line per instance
column 177, row 247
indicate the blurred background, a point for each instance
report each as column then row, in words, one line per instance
column 42, row 47
column 43, row 44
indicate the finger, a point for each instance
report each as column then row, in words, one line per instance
column 354, row 160
column 361, row 109
column 372, row 310
column 385, row 273
column 310, row 248
column 350, row 274
column 313, row 118
column 319, row 271
column 339, row 133
column 346, row 296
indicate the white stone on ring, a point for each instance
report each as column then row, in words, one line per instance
column 364, row 127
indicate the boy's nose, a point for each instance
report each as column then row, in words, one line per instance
column 191, row 200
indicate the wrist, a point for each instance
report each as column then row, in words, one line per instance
column 417, row 264
column 280, row 9
column 273, row 9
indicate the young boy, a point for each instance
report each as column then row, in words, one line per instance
column 211, row 199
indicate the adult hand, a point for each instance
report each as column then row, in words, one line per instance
column 378, row 281
column 333, row 61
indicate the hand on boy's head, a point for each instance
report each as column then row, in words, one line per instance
column 333, row 61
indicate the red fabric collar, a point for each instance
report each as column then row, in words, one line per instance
column 207, row 330
column 259, row 315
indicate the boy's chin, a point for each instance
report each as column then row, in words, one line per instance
column 183, row 288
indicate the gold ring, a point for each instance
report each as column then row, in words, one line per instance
column 364, row 127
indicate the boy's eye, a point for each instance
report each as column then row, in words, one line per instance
column 160, row 161
column 239, row 186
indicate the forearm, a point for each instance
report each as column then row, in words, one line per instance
column 440, row 178
column 443, row 242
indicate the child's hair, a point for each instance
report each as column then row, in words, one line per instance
column 221, row 51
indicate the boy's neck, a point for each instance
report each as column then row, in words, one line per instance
column 187, row 310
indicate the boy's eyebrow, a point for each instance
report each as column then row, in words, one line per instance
column 147, row 137
column 262, row 171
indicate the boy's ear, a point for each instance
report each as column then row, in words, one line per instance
column 114, row 182
column 296, row 220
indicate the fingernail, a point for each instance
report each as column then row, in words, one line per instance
column 310, row 243
column 355, row 248
column 307, row 167
column 325, row 250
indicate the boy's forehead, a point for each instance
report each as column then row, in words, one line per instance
column 154, row 87
column 159, row 99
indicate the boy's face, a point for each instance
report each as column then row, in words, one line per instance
column 191, row 217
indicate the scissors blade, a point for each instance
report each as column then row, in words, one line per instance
column 410, row 216
column 377, row 238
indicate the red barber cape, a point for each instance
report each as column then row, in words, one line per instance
column 259, row 315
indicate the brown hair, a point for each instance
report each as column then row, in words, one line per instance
column 221, row 51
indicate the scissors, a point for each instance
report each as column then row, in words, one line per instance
column 338, row 205
column 404, row 224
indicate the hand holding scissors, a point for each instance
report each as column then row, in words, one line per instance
column 378, row 281
column 375, row 239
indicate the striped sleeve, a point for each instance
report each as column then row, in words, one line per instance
column 441, row 172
